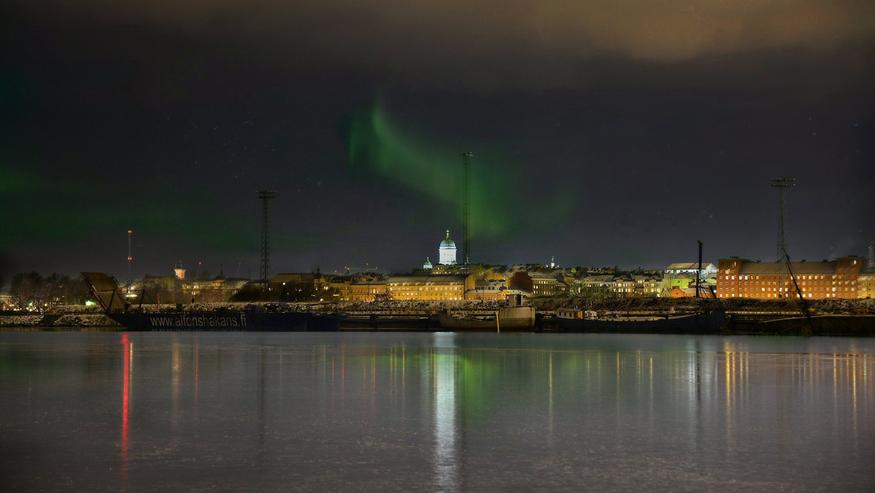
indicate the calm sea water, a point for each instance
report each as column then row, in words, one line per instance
column 428, row 412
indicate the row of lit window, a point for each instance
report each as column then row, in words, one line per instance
column 801, row 283
column 421, row 284
column 419, row 293
column 413, row 296
column 808, row 277
column 771, row 295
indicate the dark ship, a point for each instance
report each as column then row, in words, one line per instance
column 706, row 322
column 252, row 318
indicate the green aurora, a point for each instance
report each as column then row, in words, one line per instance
column 38, row 208
column 498, row 204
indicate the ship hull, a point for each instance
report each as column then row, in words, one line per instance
column 701, row 323
column 818, row 325
column 226, row 321
column 509, row 319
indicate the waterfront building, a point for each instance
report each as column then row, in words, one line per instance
column 338, row 287
column 300, row 286
column 489, row 290
column 448, row 270
column 681, row 281
column 866, row 285
column 679, row 278
column 447, row 251
column 218, row 290
column 705, row 291
column 367, row 291
column 646, row 286
column 429, row 288
column 547, row 284
column 520, row 281
column 690, row 268
column 157, row 289
column 360, row 287
column 624, row 287
column 740, row 278
column 293, row 282
column 603, row 282
column 636, row 286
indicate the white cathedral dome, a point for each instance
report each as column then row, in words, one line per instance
column 447, row 251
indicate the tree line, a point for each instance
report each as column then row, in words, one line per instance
column 32, row 291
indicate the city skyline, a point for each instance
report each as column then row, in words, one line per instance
column 455, row 245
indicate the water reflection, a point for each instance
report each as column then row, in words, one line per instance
column 440, row 411
column 550, row 395
column 196, row 364
column 445, row 461
column 127, row 371
column 175, row 377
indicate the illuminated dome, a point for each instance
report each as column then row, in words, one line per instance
column 447, row 251
column 427, row 265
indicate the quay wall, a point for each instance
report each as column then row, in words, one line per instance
column 81, row 316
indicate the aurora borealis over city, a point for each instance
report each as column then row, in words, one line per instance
column 437, row 246
column 604, row 132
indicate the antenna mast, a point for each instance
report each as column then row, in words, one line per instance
column 130, row 253
column 699, row 270
column 466, row 207
column 265, row 196
column 782, row 184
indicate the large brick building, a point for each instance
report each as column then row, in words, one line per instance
column 429, row 288
column 739, row 278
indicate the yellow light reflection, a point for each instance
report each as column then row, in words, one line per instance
column 444, row 395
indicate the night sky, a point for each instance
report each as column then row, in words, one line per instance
column 605, row 132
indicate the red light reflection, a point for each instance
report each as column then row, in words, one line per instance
column 127, row 351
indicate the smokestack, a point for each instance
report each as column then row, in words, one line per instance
column 871, row 264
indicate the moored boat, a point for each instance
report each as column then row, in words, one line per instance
column 710, row 322
column 506, row 318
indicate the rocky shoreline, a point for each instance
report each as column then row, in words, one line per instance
column 80, row 320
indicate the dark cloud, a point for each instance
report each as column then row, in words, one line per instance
column 462, row 34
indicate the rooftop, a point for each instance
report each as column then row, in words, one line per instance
column 431, row 279
column 689, row 266
column 781, row 268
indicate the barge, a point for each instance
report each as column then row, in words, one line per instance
column 251, row 318
column 711, row 322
